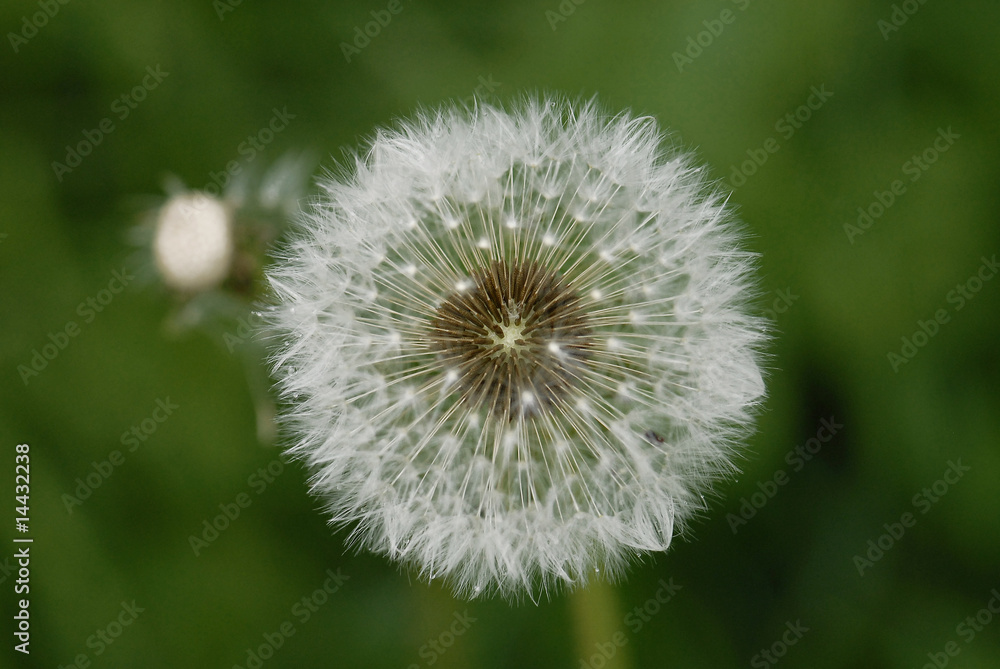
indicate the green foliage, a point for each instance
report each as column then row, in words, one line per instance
column 845, row 292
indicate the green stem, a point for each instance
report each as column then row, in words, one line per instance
column 597, row 622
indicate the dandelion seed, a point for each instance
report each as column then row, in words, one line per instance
column 574, row 361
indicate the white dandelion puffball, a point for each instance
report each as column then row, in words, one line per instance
column 515, row 345
column 193, row 245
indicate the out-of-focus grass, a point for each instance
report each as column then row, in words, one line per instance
column 794, row 560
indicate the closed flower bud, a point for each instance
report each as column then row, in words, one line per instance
column 193, row 243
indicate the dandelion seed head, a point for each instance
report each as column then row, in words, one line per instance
column 522, row 345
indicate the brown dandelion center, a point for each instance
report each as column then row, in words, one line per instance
column 515, row 342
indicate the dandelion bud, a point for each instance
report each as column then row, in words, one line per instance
column 193, row 243
column 515, row 344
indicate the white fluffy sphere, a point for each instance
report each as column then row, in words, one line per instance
column 193, row 245
column 515, row 345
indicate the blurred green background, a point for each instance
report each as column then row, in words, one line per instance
column 842, row 301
